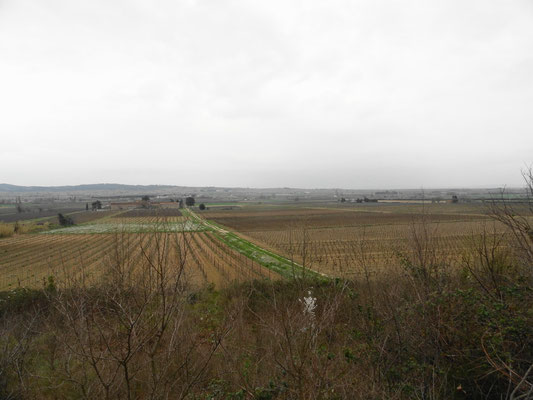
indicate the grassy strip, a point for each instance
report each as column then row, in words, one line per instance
column 283, row 266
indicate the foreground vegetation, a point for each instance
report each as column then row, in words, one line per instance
column 422, row 330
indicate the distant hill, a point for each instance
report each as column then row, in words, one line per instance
column 4, row 187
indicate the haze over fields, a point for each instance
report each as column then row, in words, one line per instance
column 364, row 94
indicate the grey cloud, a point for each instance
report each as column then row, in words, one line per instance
column 281, row 93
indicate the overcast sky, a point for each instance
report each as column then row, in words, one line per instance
column 262, row 93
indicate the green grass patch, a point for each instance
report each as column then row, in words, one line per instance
column 283, row 266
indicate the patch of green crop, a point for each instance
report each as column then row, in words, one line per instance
column 283, row 266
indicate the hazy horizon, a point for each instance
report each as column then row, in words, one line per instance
column 363, row 94
column 516, row 187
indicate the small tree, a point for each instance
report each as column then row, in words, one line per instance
column 96, row 205
column 201, row 206
column 189, row 201
column 86, row 206
column 65, row 221
column 145, row 201
column 19, row 205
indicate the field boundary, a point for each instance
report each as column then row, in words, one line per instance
column 287, row 268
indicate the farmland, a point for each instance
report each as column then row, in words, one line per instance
column 28, row 260
column 132, row 226
column 138, row 213
column 267, row 240
column 89, row 247
column 42, row 210
column 339, row 241
column 240, row 284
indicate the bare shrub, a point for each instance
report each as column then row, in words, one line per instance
column 517, row 217
column 132, row 333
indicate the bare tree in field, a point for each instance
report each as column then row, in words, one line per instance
column 518, row 219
